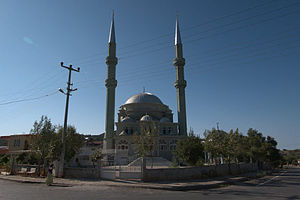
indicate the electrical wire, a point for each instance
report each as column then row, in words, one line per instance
column 183, row 30
column 29, row 99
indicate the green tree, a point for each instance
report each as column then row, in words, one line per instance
column 47, row 141
column 272, row 154
column 235, row 146
column 256, row 142
column 242, row 150
column 190, row 151
column 43, row 135
column 146, row 140
column 97, row 155
column 216, row 143
column 74, row 142
column 4, row 160
column 32, row 158
column 21, row 158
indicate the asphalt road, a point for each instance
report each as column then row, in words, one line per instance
column 284, row 185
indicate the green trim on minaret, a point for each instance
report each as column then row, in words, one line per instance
column 180, row 83
column 111, row 84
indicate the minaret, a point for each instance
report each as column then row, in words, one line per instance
column 180, row 83
column 111, row 84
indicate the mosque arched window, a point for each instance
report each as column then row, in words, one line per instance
column 169, row 130
column 164, row 131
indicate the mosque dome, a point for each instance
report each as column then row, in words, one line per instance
column 144, row 98
column 127, row 119
column 122, row 133
column 146, row 118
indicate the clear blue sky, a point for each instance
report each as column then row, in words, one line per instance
column 242, row 61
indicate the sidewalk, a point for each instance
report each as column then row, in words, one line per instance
column 175, row 185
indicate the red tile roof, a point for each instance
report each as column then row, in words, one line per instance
column 3, row 150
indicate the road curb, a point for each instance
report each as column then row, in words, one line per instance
column 218, row 184
column 19, row 181
column 184, row 188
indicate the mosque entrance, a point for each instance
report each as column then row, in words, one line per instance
column 121, row 172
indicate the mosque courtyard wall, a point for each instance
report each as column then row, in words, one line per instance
column 190, row 173
column 149, row 174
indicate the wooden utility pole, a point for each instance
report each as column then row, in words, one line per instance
column 68, row 93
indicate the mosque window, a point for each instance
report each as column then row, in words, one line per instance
column 164, row 131
column 123, row 145
column 169, row 130
column 126, row 130
column 173, row 145
column 163, row 145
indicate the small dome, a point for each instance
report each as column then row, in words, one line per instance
column 164, row 119
column 122, row 133
column 127, row 119
column 146, row 118
column 144, row 98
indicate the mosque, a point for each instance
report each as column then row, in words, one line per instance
column 142, row 110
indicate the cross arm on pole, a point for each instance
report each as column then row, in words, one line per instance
column 70, row 67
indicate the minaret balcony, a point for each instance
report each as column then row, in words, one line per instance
column 111, row 60
column 111, row 83
column 179, row 62
column 180, row 83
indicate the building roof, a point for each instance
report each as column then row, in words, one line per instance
column 127, row 119
column 164, row 119
column 4, row 137
column 144, row 97
column 21, row 135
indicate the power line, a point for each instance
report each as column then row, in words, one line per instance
column 183, row 30
column 187, row 41
column 204, row 37
column 204, row 23
column 279, row 36
column 247, row 18
column 247, row 25
column 207, row 65
column 158, row 75
column 31, row 91
column 29, row 99
column 248, row 46
column 214, row 28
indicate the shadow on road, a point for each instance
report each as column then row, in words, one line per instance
column 278, row 186
column 59, row 185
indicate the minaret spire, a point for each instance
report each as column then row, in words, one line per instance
column 177, row 32
column 180, row 83
column 112, row 36
column 111, row 84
